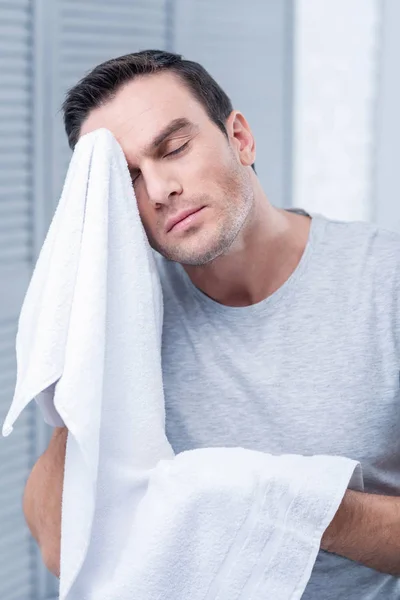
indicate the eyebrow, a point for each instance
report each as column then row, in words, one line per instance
column 173, row 127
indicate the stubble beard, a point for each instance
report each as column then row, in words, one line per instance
column 230, row 221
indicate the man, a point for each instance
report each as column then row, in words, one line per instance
column 281, row 329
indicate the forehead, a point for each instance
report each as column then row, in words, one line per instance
column 143, row 107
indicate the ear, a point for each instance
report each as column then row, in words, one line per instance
column 241, row 138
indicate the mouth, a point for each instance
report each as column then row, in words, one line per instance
column 183, row 219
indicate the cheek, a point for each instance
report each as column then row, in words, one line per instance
column 205, row 171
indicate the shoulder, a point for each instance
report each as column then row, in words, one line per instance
column 364, row 248
column 362, row 261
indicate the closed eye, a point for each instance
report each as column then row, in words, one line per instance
column 135, row 178
column 178, row 150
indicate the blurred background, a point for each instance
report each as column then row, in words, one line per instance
column 318, row 81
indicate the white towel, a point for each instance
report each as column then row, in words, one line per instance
column 137, row 521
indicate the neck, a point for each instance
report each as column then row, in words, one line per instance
column 262, row 258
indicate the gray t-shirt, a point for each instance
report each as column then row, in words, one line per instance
column 313, row 369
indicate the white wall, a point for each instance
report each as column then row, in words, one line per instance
column 335, row 85
column 387, row 165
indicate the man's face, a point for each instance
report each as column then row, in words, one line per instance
column 181, row 164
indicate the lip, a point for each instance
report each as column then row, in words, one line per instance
column 175, row 220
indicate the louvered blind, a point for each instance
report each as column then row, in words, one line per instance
column 17, row 552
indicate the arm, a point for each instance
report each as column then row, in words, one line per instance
column 42, row 499
column 366, row 529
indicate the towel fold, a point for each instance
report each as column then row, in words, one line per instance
column 138, row 521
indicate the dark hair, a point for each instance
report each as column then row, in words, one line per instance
column 101, row 84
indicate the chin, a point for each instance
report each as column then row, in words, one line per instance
column 194, row 256
column 201, row 247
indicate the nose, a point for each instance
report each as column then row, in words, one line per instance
column 160, row 185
